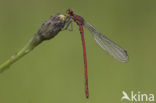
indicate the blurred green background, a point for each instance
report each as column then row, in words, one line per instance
column 53, row 72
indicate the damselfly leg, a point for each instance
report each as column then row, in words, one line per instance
column 68, row 23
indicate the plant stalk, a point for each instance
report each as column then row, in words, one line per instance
column 27, row 48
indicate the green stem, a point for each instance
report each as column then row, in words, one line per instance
column 27, row 48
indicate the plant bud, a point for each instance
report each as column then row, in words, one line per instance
column 49, row 28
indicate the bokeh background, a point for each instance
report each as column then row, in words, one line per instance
column 53, row 72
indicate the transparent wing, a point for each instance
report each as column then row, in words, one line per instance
column 109, row 46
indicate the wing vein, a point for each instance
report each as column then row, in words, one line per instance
column 109, row 46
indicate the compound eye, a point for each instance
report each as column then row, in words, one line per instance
column 69, row 11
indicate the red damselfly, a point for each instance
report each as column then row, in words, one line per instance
column 110, row 47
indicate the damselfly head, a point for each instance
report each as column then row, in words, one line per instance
column 70, row 11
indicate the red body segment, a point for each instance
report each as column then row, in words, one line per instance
column 85, row 60
column 80, row 21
